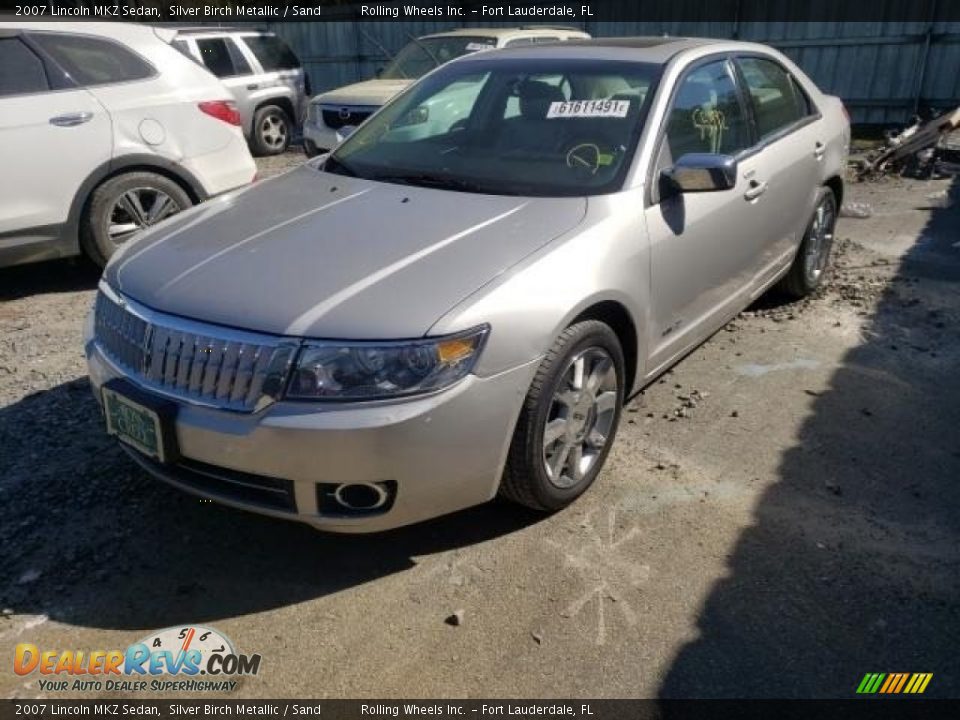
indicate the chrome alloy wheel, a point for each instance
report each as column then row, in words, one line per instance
column 580, row 417
column 137, row 209
column 820, row 240
column 273, row 132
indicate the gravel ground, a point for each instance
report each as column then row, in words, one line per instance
column 778, row 516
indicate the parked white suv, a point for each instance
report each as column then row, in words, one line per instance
column 104, row 130
column 346, row 107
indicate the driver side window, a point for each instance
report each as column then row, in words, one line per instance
column 707, row 116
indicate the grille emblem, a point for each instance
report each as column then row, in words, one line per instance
column 344, row 113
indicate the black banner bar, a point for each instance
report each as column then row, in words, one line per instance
column 512, row 12
column 900, row 708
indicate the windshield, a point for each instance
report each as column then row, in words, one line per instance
column 423, row 55
column 507, row 127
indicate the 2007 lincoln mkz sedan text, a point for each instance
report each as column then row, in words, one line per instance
column 457, row 300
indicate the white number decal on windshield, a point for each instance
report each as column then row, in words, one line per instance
column 589, row 108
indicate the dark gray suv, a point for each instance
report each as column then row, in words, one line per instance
column 264, row 75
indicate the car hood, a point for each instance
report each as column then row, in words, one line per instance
column 319, row 255
column 369, row 92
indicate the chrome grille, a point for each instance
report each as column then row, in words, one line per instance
column 336, row 117
column 204, row 364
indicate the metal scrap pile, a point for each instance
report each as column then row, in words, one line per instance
column 921, row 150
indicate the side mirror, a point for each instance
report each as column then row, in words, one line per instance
column 379, row 71
column 701, row 172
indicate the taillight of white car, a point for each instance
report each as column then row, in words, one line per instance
column 225, row 110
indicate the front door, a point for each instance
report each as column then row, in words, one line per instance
column 704, row 245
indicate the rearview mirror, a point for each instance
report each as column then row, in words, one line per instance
column 702, row 172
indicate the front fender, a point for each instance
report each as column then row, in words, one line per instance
column 604, row 259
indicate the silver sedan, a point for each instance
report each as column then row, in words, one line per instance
column 457, row 301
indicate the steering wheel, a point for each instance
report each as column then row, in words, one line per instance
column 588, row 156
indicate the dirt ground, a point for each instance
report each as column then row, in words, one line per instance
column 778, row 517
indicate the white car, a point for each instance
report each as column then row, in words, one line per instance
column 105, row 129
column 332, row 115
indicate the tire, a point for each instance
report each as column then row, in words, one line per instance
column 526, row 479
column 810, row 264
column 271, row 131
column 123, row 206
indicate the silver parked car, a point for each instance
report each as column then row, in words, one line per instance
column 266, row 78
column 439, row 312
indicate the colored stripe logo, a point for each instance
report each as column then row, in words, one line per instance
column 894, row 683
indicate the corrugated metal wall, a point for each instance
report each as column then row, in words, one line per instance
column 884, row 71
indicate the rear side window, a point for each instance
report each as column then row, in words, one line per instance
column 94, row 61
column 272, row 52
column 222, row 57
column 778, row 101
column 21, row 71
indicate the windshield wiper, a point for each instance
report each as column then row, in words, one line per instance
column 433, row 181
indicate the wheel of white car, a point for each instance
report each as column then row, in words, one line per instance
column 123, row 206
column 569, row 419
column 271, row 131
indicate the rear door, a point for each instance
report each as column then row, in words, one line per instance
column 790, row 153
column 53, row 135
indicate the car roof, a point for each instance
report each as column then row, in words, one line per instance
column 502, row 32
column 113, row 30
column 657, row 50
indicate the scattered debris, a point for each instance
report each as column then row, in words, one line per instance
column 915, row 151
column 860, row 210
column 537, row 637
column 456, row 618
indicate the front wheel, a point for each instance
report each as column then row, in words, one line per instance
column 810, row 264
column 569, row 419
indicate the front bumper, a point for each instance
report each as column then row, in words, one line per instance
column 441, row 453
column 322, row 137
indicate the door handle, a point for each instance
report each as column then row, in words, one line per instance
column 755, row 190
column 252, row 86
column 71, row 119
column 818, row 150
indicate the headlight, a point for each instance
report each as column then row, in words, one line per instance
column 369, row 371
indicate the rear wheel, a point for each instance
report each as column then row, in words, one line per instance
column 813, row 255
column 569, row 419
column 123, row 207
column 271, row 131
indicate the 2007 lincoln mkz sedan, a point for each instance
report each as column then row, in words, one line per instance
column 457, row 300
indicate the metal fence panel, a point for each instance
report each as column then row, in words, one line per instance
column 885, row 72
